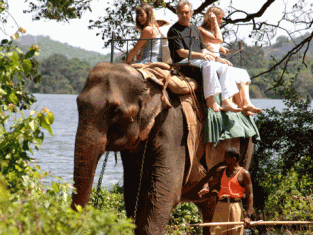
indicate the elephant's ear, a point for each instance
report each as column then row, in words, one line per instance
column 153, row 103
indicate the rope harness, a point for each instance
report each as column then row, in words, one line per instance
column 100, row 178
column 140, row 179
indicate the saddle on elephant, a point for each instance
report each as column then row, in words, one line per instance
column 204, row 125
column 218, row 126
column 164, row 75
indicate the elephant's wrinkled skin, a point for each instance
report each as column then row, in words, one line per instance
column 117, row 112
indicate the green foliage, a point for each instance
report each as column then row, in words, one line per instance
column 39, row 209
column 109, row 200
column 58, row 10
column 49, row 47
column 183, row 214
column 26, row 205
column 281, row 41
column 16, row 141
column 290, row 198
column 250, row 58
column 282, row 172
column 61, row 76
column 287, row 135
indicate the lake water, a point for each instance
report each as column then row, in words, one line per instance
column 57, row 152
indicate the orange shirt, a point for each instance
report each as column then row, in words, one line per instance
column 231, row 186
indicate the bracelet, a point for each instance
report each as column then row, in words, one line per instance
column 214, row 26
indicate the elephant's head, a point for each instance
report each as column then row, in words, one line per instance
column 116, row 110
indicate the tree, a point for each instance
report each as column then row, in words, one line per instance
column 26, row 205
column 280, row 41
column 61, row 76
column 24, row 132
column 286, row 148
column 251, row 58
column 120, row 13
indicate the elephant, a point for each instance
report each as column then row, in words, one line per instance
column 121, row 111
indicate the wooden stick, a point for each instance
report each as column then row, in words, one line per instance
column 253, row 223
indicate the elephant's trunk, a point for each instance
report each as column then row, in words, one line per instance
column 89, row 146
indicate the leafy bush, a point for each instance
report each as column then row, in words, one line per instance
column 184, row 214
column 24, row 132
column 39, row 209
column 109, row 200
column 282, row 169
column 26, row 205
column 288, row 200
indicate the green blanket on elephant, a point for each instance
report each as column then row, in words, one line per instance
column 226, row 125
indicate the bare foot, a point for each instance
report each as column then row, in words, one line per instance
column 247, row 113
column 211, row 103
column 229, row 106
column 214, row 106
column 250, row 107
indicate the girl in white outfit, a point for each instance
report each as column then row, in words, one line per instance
column 236, row 77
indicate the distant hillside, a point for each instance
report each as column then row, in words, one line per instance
column 49, row 47
column 284, row 45
column 64, row 68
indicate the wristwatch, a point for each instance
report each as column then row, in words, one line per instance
column 249, row 216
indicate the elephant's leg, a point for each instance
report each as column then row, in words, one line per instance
column 207, row 209
column 159, row 192
column 246, row 152
column 215, row 156
column 132, row 170
column 162, row 179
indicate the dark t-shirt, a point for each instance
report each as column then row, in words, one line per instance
column 183, row 43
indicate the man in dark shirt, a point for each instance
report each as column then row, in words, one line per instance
column 179, row 43
column 179, row 48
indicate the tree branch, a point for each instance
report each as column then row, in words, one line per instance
column 203, row 6
column 196, row 11
column 170, row 7
column 288, row 55
column 250, row 16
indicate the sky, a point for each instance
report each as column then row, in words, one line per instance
column 76, row 32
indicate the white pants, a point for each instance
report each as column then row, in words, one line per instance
column 238, row 75
column 211, row 73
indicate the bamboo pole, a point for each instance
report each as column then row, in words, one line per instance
column 253, row 223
